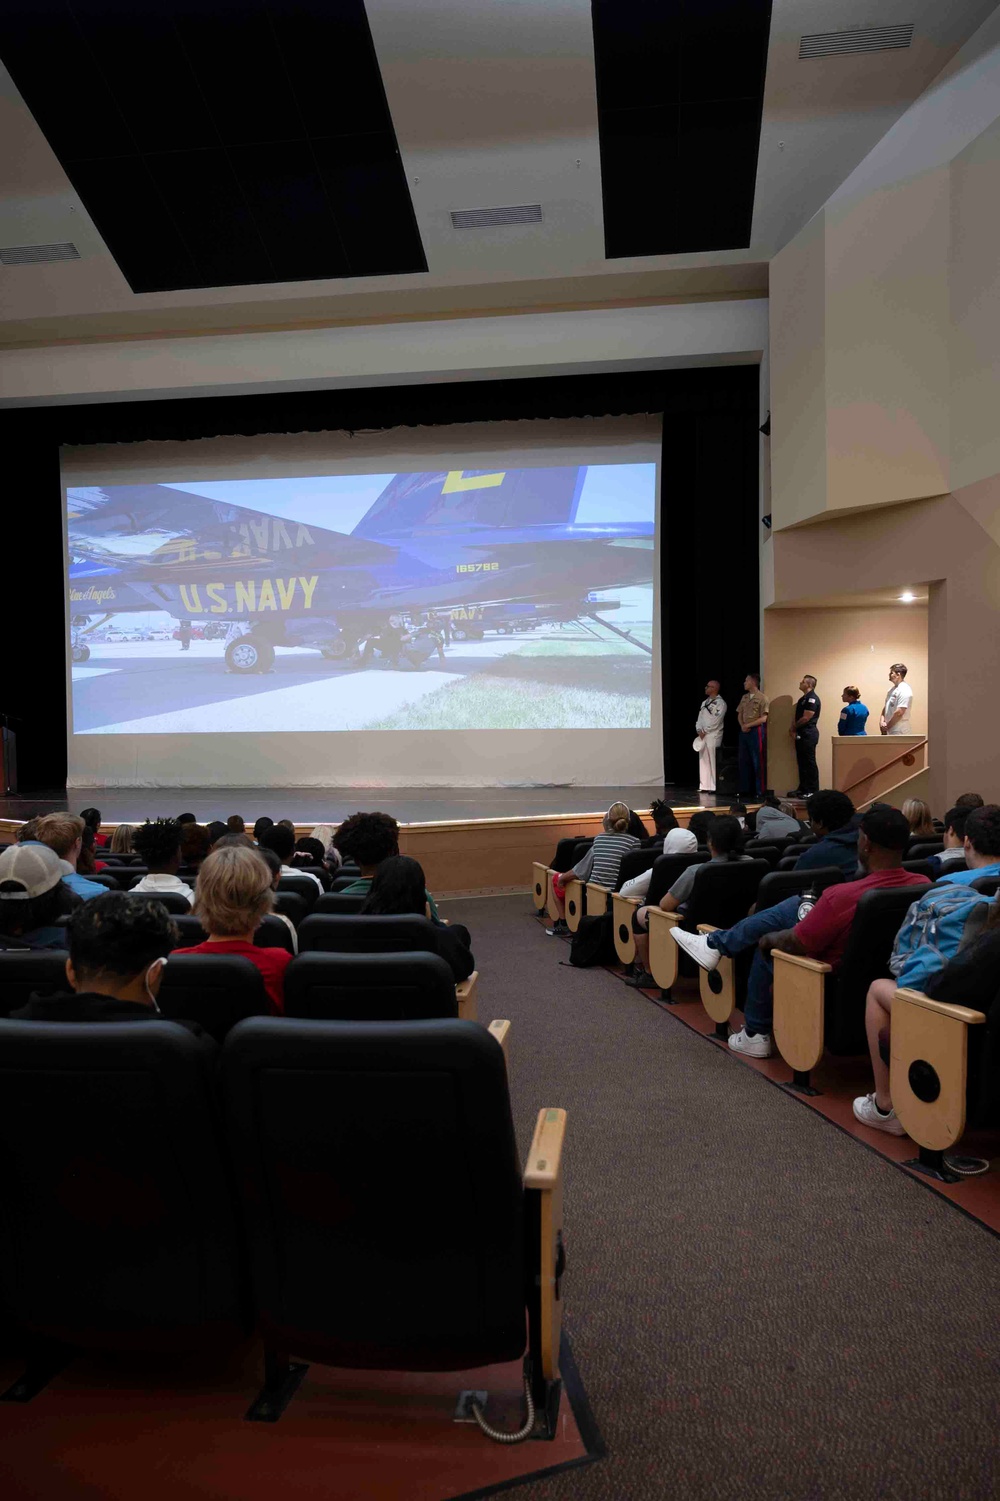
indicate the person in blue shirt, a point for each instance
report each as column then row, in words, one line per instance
column 854, row 714
column 63, row 833
column 834, row 822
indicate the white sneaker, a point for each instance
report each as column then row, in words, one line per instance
column 758, row 1046
column 868, row 1113
column 697, row 945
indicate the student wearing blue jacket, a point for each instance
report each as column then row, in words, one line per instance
column 854, row 715
column 834, row 822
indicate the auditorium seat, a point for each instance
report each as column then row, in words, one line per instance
column 575, row 902
column 439, row 1251
column 303, row 886
column 24, row 973
column 721, row 895
column 920, row 868
column 922, row 849
column 214, row 990
column 110, row 880
column 817, row 1008
column 988, row 885
column 765, row 849
column 132, row 876
column 339, row 883
column 290, row 905
column 944, row 1074
column 665, row 870
column 322, row 874
column 539, row 884
column 119, row 1231
column 176, row 904
column 271, row 934
column 336, row 902
column 353, row 933
column 401, row 986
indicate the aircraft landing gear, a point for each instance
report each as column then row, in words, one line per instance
column 80, row 653
column 249, row 654
column 339, row 650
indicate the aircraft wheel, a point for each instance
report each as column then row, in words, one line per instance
column 502, row 630
column 337, row 650
column 249, row 654
column 457, row 634
column 81, row 653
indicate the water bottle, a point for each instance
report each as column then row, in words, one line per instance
column 806, row 905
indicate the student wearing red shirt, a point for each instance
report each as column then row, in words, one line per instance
column 822, row 933
column 231, row 897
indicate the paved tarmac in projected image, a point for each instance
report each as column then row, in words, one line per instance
column 572, row 676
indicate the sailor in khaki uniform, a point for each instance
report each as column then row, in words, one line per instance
column 708, row 725
column 751, row 711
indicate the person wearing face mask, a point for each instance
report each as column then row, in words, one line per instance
column 118, row 946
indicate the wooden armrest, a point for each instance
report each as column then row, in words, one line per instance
column 543, row 1193
column 673, row 918
column 501, row 1031
column 800, row 961
column 707, row 927
column 634, row 901
column 544, row 1165
column 596, row 886
column 466, row 994
column 941, row 1008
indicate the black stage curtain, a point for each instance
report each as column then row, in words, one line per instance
column 709, row 517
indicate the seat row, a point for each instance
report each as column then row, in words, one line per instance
column 350, row 1189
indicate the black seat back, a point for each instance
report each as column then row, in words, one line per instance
column 764, row 849
column 636, row 862
column 989, row 885
column 336, row 902
column 119, row 1228
column 214, row 990
column 919, row 868
column 175, row 903
column 366, row 934
column 724, row 891
column 271, row 934
column 302, row 885
column 779, row 884
column 319, row 871
column 24, row 973
column 922, row 848
column 290, row 905
column 132, row 876
column 113, row 881
column 877, row 920
column 390, row 1149
column 405, row 986
column 666, row 869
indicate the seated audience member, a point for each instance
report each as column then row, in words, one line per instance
column 970, row 800
column 700, row 823
column 235, row 824
column 664, row 820
column 231, row 898
column 187, row 818
column 854, row 714
column 952, row 856
column 368, row 839
column 275, row 866
column 725, row 845
column 261, row 827
column 918, row 816
column 32, row 896
column 308, row 851
column 739, row 812
column 234, row 841
column 87, row 863
column 117, row 949
column 92, row 819
column 121, row 840
column 931, row 935
column 398, row 887
column 834, row 822
column 63, row 832
column 601, row 863
column 195, row 844
column 822, row 933
column 636, row 827
column 216, row 831
column 972, row 977
column 286, row 823
column 28, row 832
column 677, row 842
column 282, row 841
column 775, row 820
column 324, row 832
column 158, row 841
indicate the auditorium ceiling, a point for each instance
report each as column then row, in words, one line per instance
column 300, row 162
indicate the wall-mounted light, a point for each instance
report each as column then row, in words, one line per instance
column 907, row 598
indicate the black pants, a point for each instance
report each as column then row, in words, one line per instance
column 806, row 742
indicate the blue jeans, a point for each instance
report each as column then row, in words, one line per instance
column 759, row 1008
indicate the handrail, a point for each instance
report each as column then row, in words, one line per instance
column 884, row 765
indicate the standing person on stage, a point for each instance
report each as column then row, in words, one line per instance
column 751, row 711
column 854, row 714
column 709, row 724
column 895, row 716
column 805, row 732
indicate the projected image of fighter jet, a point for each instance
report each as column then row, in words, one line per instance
column 489, row 548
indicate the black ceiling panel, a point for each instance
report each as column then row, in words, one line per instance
column 680, row 89
column 220, row 142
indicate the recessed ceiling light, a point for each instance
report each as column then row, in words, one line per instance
column 907, row 598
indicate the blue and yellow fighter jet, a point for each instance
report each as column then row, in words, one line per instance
column 488, row 549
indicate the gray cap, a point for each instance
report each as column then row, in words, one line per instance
column 31, row 870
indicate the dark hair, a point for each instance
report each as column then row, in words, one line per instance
column 313, row 848
column 286, row 823
column 235, row 824
column 771, row 798
column 28, row 831
column 279, row 839
column 187, row 818
column 738, row 810
column 853, row 693
column 664, row 817
column 368, row 838
column 886, row 827
column 700, row 823
column 270, row 859
column 234, row 841
column 726, row 836
column 636, row 827
column 956, row 818
column 18, row 917
column 755, row 676
column 970, row 800
column 899, row 667
column 119, row 934
column 216, row 829
column 397, row 886
column 195, row 842
column 86, row 864
column 982, row 828
column 261, row 826
column 92, row 818
column 834, row 810
column 158, row 840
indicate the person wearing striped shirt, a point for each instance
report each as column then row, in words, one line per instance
column 601, row 863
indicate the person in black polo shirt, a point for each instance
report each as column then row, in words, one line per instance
column 805, row 731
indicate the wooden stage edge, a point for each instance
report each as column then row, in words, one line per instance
column 475, row 856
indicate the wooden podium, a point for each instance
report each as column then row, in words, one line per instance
column 8, row 758
column 870, row 768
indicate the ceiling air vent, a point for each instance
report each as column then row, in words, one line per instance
column 483, row 218
column 858, row 39
column 37, row 255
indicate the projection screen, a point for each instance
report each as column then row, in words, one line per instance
column 440, row 607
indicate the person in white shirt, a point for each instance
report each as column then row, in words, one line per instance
column 708, row 725
column 158, row 842
column 276, row 868
column 281, row 839
column 895, row 717
column 677, row 842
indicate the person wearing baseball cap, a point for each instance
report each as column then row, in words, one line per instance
column 32, row 896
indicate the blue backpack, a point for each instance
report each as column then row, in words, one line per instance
column 934, row 930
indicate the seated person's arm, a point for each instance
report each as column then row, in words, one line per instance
column 786, row 941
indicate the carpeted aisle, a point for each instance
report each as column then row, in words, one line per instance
column 758, row 1306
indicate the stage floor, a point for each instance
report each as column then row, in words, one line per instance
column 330, row 805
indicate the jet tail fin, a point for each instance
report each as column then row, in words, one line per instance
column 459, row 498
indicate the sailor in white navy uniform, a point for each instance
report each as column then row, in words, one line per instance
column 711, row 717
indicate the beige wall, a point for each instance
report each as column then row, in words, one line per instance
column 838, row 647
